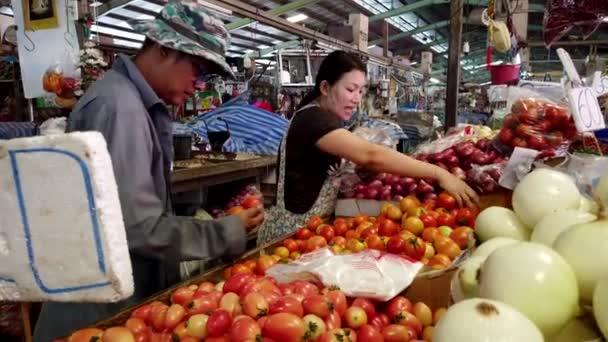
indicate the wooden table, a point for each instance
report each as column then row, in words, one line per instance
column 220, row 172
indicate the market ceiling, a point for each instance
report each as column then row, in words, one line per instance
column 414, row 26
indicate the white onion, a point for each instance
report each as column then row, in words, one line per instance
column 584, row 247
column 491, row 245
column 547, row 229
column 500, row 222
column 482, row 320
column 543, row 191
column 464, row 284
column 589, row 206
column 600, row 305
column 533, row 279
column 576, row 331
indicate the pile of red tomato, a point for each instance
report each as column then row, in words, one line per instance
column 251, row 308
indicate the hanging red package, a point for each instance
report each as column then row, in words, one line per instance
column 561, row 16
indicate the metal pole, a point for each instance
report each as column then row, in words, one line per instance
column 456, row 18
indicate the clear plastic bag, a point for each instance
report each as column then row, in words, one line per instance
column 377, row 135
column 484, row 178
column 561, row 16
column 380, row 276
column 537, row 123
column 586, row 170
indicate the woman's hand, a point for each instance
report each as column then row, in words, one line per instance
column 463, row 193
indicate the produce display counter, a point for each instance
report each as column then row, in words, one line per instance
column 196, row 173
column 430, row 286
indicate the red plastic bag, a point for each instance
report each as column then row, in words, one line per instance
column 563, row 15
column 538, row 124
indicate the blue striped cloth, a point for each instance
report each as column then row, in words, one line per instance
column 12, row 130
column 252, row 130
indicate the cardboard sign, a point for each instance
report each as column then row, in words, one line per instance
column 585, row 109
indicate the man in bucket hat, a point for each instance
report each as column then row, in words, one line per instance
column 128, row 106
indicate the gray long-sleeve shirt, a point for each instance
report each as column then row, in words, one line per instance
column 137, row 128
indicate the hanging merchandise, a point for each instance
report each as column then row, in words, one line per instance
column 498, row 32
column 561, row 16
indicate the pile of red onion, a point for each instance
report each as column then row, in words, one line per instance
column 387, row 187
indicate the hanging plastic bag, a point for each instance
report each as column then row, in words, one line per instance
column 561, row 16
column 537, row 123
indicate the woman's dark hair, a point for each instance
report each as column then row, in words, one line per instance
column 333, row 67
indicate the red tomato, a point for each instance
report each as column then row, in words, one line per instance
column 284, row 327
column 206, row 287
column 136, row 325
column 375, row 242
column 415, row 248
column 291, row 245
column 237, row 282
column 428, row 220
column 86, row 335
column 388, row 228
column 303, row 234
column 338, row 300
column 396, row 306
column 286, row 289
column 182, row 296
column 446, row 220
column 398, row 333
column 260, row 284
column 558, row 116
column 519, row 142
column 264, row 263
column 315, row 243
column 367, row 305
column 327, row 232
column 530, row 117
column 396, row 245
column 142, row 312
column 338, row 335
column 555, row 138
column 537, row 142
column 200, row 306
column 305, row 288
column 240, row 268
column 218, row 323
column 447, row 201
column 369, row 333
column 355, row 317
column 180, row 330
column 175, row 314
column 524, row 131
column 368, row 232
column 197, row 326
column 360, row 219
column 338, row 240
column 340, row 228
column 245, row 329
column 143, row 336
column 429, row 234
column 287, row 304
column 255, row 305
column 231, row 303
column 465, row 217
column 317, row 305
column 251, row 202
column 117, row 334
column 211, row 339
column 506, row 136
column 408, row 319
column 543, row 126
column 270, row 296
column 158, row 315
column 510, row 121
column 380, row 320
column 333, row 321
column 314, row 222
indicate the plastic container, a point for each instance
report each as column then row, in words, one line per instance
column 505, row 74
column 182, row 146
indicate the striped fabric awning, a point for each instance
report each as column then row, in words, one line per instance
column 12, row 130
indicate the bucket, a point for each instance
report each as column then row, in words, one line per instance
column 505, row 74
column 182, row 146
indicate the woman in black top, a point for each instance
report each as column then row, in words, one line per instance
column 315, row 141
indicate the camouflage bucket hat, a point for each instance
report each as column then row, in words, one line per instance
column 189, row 28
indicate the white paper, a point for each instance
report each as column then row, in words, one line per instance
column 517, row 167
column 585, row 109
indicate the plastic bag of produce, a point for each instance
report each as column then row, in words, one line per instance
column 370, row 273
column 585, row 168
column 536, row 123
column 484, row 178
column 563, row 15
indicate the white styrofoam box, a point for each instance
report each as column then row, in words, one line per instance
column 62, row 236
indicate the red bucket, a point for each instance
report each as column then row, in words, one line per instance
column 505, row 74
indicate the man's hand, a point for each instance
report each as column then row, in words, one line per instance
column 252, row 217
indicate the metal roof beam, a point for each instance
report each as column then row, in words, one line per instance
column 112, row 5
column 284, row 45
column 406, row 9
column 292, row 6
column 398, row 36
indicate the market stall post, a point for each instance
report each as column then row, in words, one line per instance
column 456, row 20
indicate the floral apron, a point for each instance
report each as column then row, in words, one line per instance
column 280, row 221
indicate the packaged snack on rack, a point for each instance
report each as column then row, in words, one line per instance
column 561, row 16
